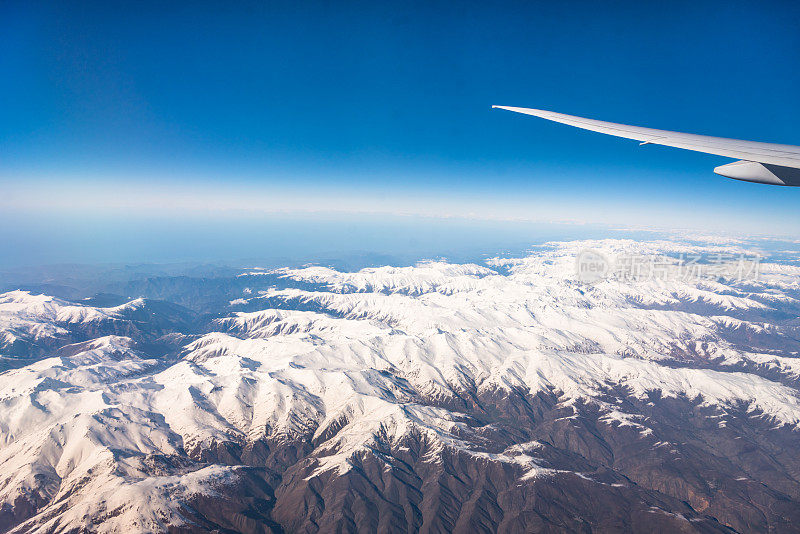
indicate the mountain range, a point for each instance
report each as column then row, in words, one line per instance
column 505, row 396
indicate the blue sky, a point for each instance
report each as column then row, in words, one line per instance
column 200, row 109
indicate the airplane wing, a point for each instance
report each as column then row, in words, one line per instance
column 760, row 162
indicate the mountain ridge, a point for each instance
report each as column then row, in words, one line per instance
column 505, row 397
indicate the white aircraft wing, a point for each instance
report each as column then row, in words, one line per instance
column 761, row 162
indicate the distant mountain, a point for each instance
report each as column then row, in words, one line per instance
column 504, row 397
column 35, row 326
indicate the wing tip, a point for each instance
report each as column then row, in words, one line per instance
column 525, row 111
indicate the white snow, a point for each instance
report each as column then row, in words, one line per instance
column 380, row 347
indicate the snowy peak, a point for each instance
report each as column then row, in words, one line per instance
column 517, row 373
column 33, row 326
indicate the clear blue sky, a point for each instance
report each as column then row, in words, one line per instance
column 382, row 106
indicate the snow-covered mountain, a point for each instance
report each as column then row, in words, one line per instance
column 508, row 396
